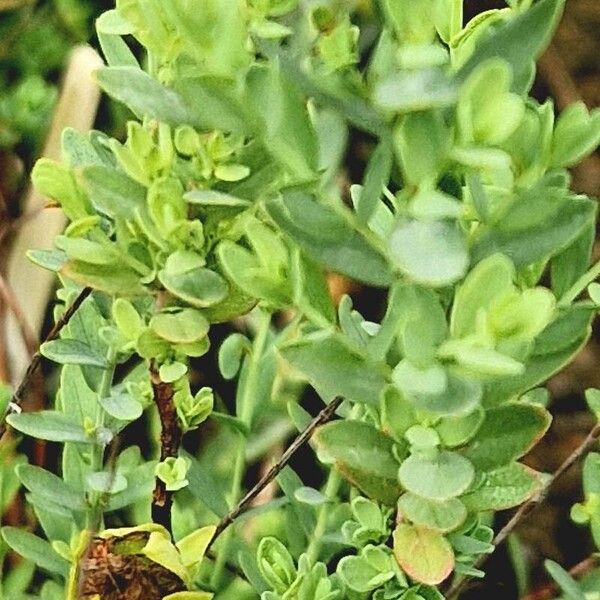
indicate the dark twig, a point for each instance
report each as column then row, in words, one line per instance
column 551, row 590
column 244, row 504
column 525, row 509
column 170, row 440
column 17, row 398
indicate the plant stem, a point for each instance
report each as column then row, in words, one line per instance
column 332, row 487
column 246, row 407
column 94, row 517
column 528, row 507
column 170, row 440
column 334, row 481
column 580, row 285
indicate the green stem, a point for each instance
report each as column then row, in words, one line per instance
column 332, row 486
column 571, row 294
column 246, row 406
column 94, row 516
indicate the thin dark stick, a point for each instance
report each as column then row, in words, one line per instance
column 551, row 590
column 525, row 509
column 244, row 504
column 17, row 398
column 170, row 440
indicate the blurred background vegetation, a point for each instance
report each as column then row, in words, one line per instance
column 36, row 39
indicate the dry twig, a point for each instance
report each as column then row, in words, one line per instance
column 325, row 415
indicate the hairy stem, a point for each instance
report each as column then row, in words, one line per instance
column 170, row 440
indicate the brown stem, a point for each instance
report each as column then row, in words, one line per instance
column 525, row 509
column 17, row 398
column 245, row 503
column 551, row 590
column 170, row 440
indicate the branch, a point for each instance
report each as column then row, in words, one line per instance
column 551, row 590
column 524, row 510
column 170, row 440
column 17, row 398
column 244, row 504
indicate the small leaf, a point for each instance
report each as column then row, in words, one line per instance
column 331, row 238
column 122, row 406
column 49, row 425
column 507, row 433
column 445, row 476
column 567, row 584
column 143, row 95
column 171, row 372
column 200, row 287
column 425, row 555
column 230, row 354
column 48, row 486
column 106, row 483
column 433, row 253
column 363, row 455
column 376, row 178
column 36, row 550
column 336, row 369
column 309, row 495
column 443, row 516
column 73, row 352
column 410, row 91
column 503, row 488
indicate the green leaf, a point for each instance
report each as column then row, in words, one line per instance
column 553, row 349
column 570, row 264
column 230, row 354
column 503, row 488
column 214, row 198
column 442, row 477
column 331, row 238
column 363, row 455
column 377, row 177
column 106, row 483
column 143, row 95
column 507, row 433
column 486, row 282
column 520, row 41
column 576, row 135
column 200, row 287
column 36, row 550
column 432, row 253
column 410, row 91
column 122, row 406
column 113, row 192
column 72, row 352
column 180, row 327
column 425, row 555
column 361, row 575
column 335, row 369
column 49, row 487
column 115, row 278
column 286, row 129
column 441, row 516
column 567, row 584
column 48, row 425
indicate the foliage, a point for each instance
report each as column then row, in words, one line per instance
column 222, row 203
